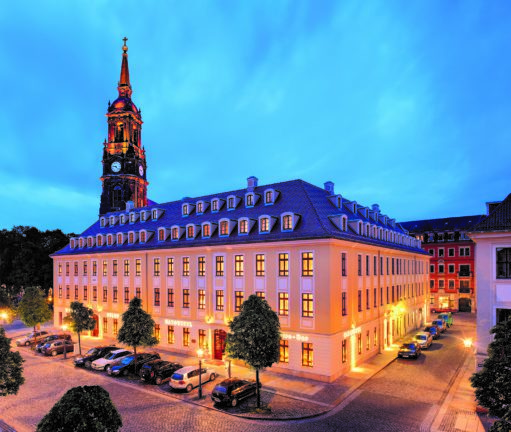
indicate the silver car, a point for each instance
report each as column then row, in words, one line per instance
column 188, row 377
column 424, row 339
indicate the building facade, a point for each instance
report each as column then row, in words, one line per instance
column 345, row 280
column 452, row 267
column 493, row 268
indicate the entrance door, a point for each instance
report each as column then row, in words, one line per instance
column 219, row 344
column 465, row 304
column 95, row 332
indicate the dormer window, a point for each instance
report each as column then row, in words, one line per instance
column 143, row 216
column 230, row 203
column 200, row 206
column 143, row 236
column 81, row 242
column 190, row 231
column 89, row 242
column 155, row 214
column 131, row 237
column 99, row 240
column 269, row 197
column 133, row 217
column 110, row 240
column 185, row 209
column 344, row 223
column 339, row 202
column 175, row 233
column 224, row 228
column 206, row 230
column 288, row 221
column 264, row 225
column 367, row 230
column 216, row 204
column 120, row 240
column 162, row 234
column 102, row 222
column 112, row 220
column 249, row 200
column 122, row 220
column 243, row 226
column 72, row 243
column 360, row 230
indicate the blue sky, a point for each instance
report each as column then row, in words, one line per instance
column 405, row 104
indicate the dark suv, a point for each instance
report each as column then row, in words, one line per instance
column 157, row 371
column 93, row 354
column 231, row 391
column 127, row 364
column 40, row 345
column 410, row 349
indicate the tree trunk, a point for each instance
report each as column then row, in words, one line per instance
column 79, row 344
column 257, row 389
column 135, row 352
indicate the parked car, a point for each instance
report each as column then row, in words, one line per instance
column 188, row 377
column 233, row 390
column 57, row 347
column 441, row 309
column 447, row 317
column 424, row 339
column 50, row 338
column 127, row 364
column 433, row 329
column 158, row 371
column 93, row 354
column 31, row 338
column 440, row 323
column 409, row 349
column 105, row 362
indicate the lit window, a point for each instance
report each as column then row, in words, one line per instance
column 186, row 266
column 170, row 266
column 157, row 296
column 283, row 304
column 186, row 298
column 190, row 232
column 250, row 200
column 202, row 339
column 201, row 262
column 161, row 234
column 138, row 267
column 283, row 264
column 307, row 305
column 186, row 337
column 170, row 297
column 238, row 300
column 260, row 265
column 224, row 228
column 157, row 332
column 126, row 295
column 200, row 206
column 261, row 294
column 268, row 197
column 114, row 267
column 219, row 300
column 171, row 338
column 287, row 222
column 243, row 226
column 307, row 354
column 89, row 242
column 156, row 267
column 284, row 351
column 219, row 266
column 206, row 230
column 175, row 233
column 202, row 300
column 238, row 265
column 126, row 267
column 119, row 239
column 307, row 264
column 185, row 209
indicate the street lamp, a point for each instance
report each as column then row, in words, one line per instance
column 64, row 327
column 467, row 342
column 199, row 354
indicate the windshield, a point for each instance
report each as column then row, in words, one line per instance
column 127, row 360
column 177, row 377
column 408, row 346
column 91, row 351
column 220, row 389
column 421, row 337
column 110, row 356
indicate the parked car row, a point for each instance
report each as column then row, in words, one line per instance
column 424, row 339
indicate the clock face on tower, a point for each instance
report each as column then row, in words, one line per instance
column 141, row 170
column 116, row 166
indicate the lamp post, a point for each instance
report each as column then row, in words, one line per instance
column 467, row 343
column 199, row 354
column 64, row 327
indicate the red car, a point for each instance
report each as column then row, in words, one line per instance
column 443, row 310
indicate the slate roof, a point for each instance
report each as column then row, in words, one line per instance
column 461, row 223
column 498, row 220
column 310, row 202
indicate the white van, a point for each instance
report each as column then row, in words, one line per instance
column 188, row 377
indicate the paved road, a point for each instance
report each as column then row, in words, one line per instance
column 404, row 396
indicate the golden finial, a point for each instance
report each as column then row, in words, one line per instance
column 124, row 47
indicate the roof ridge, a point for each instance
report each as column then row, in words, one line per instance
column 302, row 184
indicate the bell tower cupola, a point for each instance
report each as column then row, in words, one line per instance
column 124, row 162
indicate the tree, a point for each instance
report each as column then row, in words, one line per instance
column 137, row 327
column 80, row 319
column 11, row 367
column 33, row 308
column 255, row 336
column 82, row 409
column 493, row 382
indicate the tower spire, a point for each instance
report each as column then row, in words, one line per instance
column 124, row 86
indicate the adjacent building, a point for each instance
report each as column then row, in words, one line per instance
column 493, row 269
column 345, row 279
column 452, row 267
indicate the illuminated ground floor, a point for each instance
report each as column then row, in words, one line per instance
column 463, row 302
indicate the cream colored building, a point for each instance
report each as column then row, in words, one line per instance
column 345, row 280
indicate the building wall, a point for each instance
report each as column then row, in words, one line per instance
column 378, row 324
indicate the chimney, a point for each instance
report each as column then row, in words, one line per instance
column 252, row 183
column 130, row 205
column 376, row 208
column 329, row 187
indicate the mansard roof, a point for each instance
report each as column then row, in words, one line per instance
column 313, row 205
column 498, row 220
column 459, row 223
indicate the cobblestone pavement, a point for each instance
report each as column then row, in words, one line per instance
column 406, row 395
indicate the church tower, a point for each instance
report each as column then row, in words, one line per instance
column 124, row 162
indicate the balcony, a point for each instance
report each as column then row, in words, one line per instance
column 465, row 290
column 465, row 273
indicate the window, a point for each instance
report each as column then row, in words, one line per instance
column 432, row 284
column 155, row 214
column 375, row 299
column 170, row 297
column 60, row 269
column 432, row 252
column 441, row 252
column 175, row 233
column 360, row 265
column 268, row 197
column 85, row 293
column 105, row 325
column 451, row 252
column 76, row 269
column 105, row 268
column 214, row 205
column 284, row 351
column 243, row 226
column 343, row 264
column 465, row 270
column 201, row 264
column 344, row 223
column 238, row 265
column 185, row 209
column 238, row 300
column 367, row 265
column 126, row 295
column 201, row 300
column 156, row 267
column 441, row 284
column 161, row 235
column 264, row 225
column 190, row 233
column 120, row 239
column 283, row 264
column 261, row 294
column 138, row 267
column 138, row 293
column 116, row 326
column 157, row 296
column 171, row 337
column 307, row 354
column 206, row 230
column 307, row 263
column 157, row 332
column 432, row 268
column 451, row 284
column 114, row 268
column 307, row 305
column 186, row 337
column 105, row 294
column 202, row 338
column 440, row 268
column 170, row 266
column 142, row 216
column 287, row 222
column 503, row 263
column 368, row 340
column 114, row 294
column 85, row 268
column 224, row 228
column 359, row 300
column 186, row 298
column 344, row 351
column 465, row 251
column 219, row 271
column 126, row 267
column 260, row 267
column 94, row 268
column 343, row 304
column 186, row 266
column 451, row 268
column 219, row 300
column 359, row 343
column 250, row 200
column 200, row 207
column 230, row 203
column 109, row 240
column 143, row 236
column 76, row 292
column 283, row 304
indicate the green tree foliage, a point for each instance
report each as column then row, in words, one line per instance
column 493, row 382
column 11, row 367
column 80, row 319
column 137, row 327
column 255, row 336
column 33, row 308
column 6, row 307
column 82, row 409
column 25, row 257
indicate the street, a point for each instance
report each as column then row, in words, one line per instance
column 404, row 396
